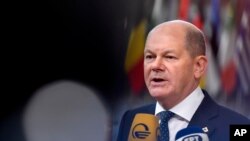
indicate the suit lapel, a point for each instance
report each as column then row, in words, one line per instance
column 204, row 114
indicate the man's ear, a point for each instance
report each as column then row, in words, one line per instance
column 200, row 66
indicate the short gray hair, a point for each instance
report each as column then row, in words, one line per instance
column 195, row 42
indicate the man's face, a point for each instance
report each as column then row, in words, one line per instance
column 168, row 67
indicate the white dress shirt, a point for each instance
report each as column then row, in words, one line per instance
column 184, row 111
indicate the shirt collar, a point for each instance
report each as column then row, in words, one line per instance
column 187, row 107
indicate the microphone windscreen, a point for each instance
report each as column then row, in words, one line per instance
column 191, row 134
column 145, row 127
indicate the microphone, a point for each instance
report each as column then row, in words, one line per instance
column 145, row 127
column 191, row 134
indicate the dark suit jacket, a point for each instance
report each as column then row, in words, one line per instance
column 209, row 114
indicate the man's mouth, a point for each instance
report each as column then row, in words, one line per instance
column 158, row 80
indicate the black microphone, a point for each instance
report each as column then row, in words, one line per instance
column 191, row 134
column 145, row 127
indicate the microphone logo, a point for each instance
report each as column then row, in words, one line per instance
column 140, row 131
column 144, row 127
column 193, row 138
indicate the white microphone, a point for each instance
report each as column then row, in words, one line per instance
column 191, row 134
column 145, row 127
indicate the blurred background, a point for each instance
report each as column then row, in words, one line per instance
column 67, row 64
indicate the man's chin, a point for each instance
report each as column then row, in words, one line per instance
column 157, row 93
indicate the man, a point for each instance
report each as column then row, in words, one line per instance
column 174, row 62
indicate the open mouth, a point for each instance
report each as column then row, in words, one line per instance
column 158, row 80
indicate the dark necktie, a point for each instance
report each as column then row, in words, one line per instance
column 164, row 132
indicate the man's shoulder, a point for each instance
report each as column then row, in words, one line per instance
column 148, row 106
column 233, row 116
column 215, row 112
column 129, row 115
column 147, row 109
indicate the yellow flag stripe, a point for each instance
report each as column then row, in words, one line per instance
column 135, row 46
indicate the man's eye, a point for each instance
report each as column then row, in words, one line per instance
column 170, row 57
column 148, row 56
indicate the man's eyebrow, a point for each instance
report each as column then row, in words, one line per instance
column 164, row 52
column 148, row 51
column 168, row 51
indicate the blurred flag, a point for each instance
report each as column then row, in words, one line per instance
column 242, row 55
column 211, row 26
column 215, row 24
column 184, row 9
column 164, row 10
column 226, row 50
column 211, row 80
column 134, row 57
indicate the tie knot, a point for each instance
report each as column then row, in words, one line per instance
column 165, row 115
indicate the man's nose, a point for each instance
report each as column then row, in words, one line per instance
column 158, row 65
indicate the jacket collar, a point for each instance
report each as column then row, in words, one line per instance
column 206, row 111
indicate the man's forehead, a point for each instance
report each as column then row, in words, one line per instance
column 173, row 26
